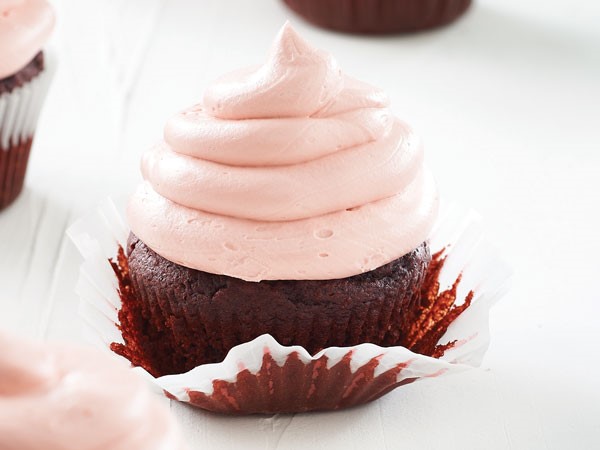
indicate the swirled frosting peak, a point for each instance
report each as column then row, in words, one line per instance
column 291, row 170
column 296, row 81
column 58, row 397
column 24, row 28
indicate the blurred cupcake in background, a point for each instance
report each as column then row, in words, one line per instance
column 25, row 71
column 379, row 16
column 64, row 397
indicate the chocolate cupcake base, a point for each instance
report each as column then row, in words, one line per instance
column 379, row 16
column 450, row 334
column 13, row 165
column 174, row 318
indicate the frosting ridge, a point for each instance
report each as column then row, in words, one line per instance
column 363, row 174
column 25, row 26
column 292, row 170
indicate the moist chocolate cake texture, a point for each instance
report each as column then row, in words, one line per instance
column 178, row 318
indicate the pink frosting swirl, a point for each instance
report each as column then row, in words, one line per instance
column 287, row 171
column 25, row 25
column 58, row 397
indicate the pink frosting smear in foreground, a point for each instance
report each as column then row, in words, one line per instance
column 291, row 170
column 58, row 397
column 25, row 26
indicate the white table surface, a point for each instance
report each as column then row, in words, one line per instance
column 508, row 101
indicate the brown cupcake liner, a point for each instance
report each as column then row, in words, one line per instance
column 379, row 16
column 13, row 165
column 19, row 112
column 328, row 381
column 262, row 376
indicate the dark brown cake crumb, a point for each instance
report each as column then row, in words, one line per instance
column 197, row 322
column 25, row 75
column 296, row 386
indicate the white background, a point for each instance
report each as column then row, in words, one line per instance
column 508, row 101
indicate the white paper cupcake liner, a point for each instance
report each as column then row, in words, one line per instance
column 262, row 376
column 20, row 108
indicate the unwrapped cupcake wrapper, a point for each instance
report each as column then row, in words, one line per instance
column 19, row 113
column 262, row 376
column 379, row 16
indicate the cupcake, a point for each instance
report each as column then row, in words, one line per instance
column 25, row 69
column 59, row 397
column 379, row 16
column 283, row 253
column 289, row 202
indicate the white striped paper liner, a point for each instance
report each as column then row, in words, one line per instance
column 20, row 108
